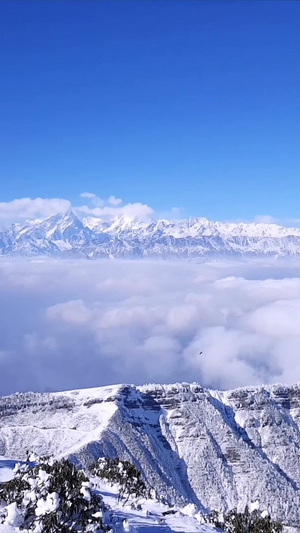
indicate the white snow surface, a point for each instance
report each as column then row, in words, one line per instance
column 151, row 517
column 6, row 469
column 67, row 420
column 65, row 235
column 194, row 446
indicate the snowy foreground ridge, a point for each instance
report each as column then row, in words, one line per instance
column 66, row 235
column 216, row 450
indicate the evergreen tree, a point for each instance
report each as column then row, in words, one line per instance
column 246, row 522
column 123, row 473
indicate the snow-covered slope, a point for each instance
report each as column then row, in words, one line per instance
column 214, row 449
column 123, row 237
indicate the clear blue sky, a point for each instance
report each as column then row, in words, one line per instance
column 170, row 103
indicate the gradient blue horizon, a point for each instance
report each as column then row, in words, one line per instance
column 192, row 104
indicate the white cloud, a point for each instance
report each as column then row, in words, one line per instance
column 114, row 201
column 23, row 208
column 93, row 198
column 131, row 211
column 87, row 195
column 279, row 318
column 112, row 207
column 269, row 219
column 70, row 324
column 20, row 209
column 265, row 219
column 177, row 211
column 72, row 312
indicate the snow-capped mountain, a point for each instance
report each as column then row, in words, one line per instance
column 66, row 234
column 214, row 449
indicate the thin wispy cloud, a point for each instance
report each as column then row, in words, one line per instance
column 89, row 195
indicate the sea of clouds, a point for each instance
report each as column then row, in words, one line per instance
column 74, row 324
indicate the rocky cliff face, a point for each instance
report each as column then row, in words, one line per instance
column 216, row 449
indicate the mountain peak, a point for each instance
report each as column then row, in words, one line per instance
column 67, row 215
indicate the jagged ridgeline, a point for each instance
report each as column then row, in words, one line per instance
column 217, row 450
column 65, row 235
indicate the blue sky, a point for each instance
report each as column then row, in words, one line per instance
column 193, row 104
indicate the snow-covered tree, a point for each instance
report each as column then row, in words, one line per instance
column 51, row 497
column 246, row 522
column 123, row 473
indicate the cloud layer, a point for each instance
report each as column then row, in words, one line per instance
column 73, row 324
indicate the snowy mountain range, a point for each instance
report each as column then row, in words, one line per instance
column 66, row 235
column 213, row 449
